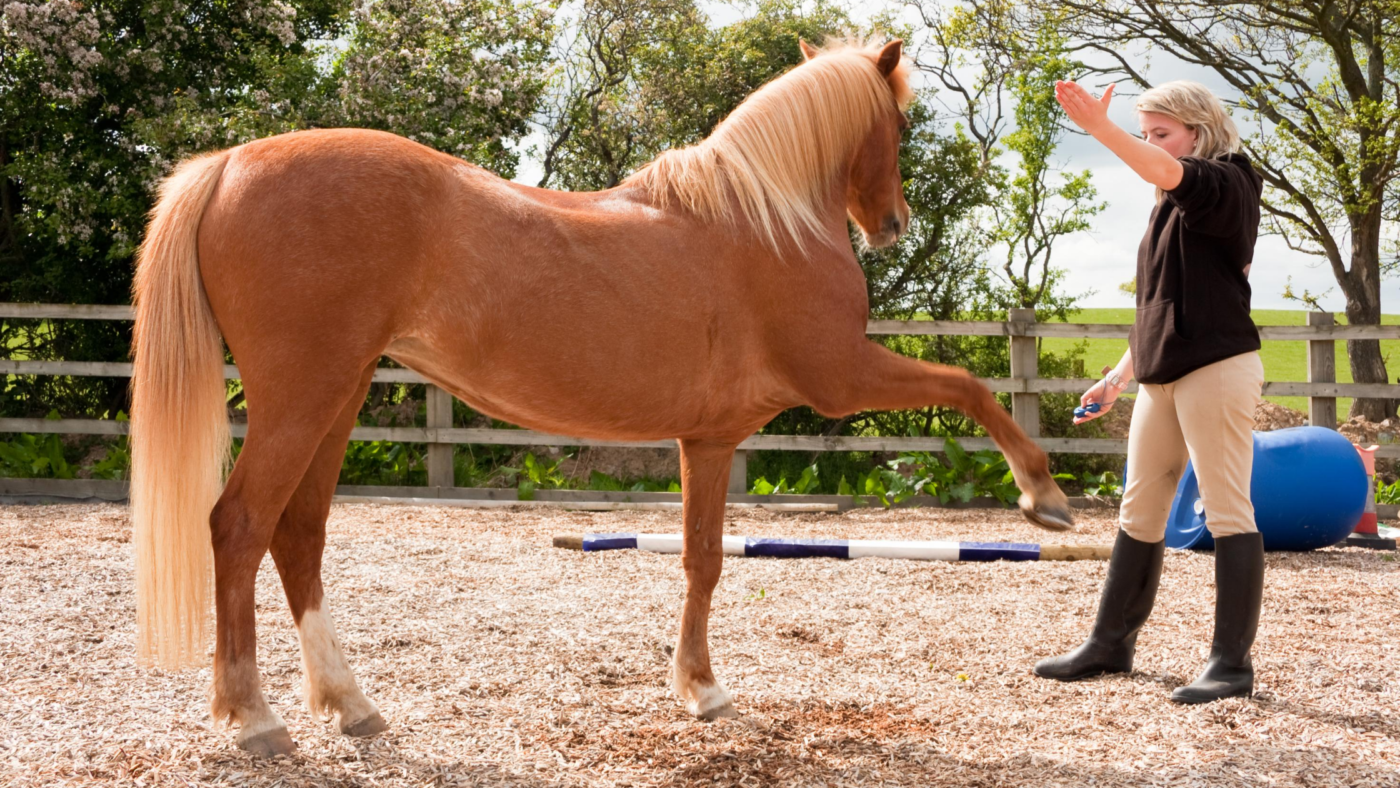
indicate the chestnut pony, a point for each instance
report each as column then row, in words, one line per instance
column 704, row 295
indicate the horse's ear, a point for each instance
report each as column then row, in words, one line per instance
column 889, row 56
column 808, row 51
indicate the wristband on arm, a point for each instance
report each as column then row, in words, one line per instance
column 1112, row 378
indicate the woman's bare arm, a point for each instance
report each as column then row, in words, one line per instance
column 1153, row 164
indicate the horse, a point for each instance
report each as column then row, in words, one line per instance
column 314, row 253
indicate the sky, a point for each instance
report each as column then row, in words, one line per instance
column 1098, row 260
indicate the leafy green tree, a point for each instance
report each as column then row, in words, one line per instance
column 1320, row 79
column 640, row 76
column 998, row 70
column 600, row 120
column 461, row 76
column 99, row 100
column 77, row 81
column 1037, row 212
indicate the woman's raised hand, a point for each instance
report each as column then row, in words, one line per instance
column 1087, row 112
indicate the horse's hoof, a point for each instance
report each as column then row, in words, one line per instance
column 713, row 703
column 1049, row 517
column 368, row 726
column 269, row 744
column 726, row 711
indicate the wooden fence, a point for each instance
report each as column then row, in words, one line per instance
column 1025, row 386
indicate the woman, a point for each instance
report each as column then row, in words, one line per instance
column 1194, row 350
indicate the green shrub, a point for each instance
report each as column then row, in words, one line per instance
column 961, row 477
column 807, row 483
column 1388, row 493
column 383, row 462
column 34, row 457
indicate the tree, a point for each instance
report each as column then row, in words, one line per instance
column 601, row 120
column 461, row 76
column 641, row 76
column 78, row 84
column 1320, row 79
column 986, row 56
column 99, row 100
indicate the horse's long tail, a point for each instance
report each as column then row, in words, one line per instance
column 179, row 425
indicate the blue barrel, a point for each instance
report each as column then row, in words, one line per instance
column 1308, row 488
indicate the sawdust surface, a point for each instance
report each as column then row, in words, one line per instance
column 499, row 660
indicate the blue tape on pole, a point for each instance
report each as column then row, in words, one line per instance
column 592, row 542
column 998, row 551
column 795, row 548
column 777, row 547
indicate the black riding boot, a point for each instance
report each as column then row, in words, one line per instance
column 1134, row 571
column 1239, row 590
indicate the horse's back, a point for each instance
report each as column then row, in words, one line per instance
column 322, row 237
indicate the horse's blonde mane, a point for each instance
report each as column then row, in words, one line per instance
column 774, row 157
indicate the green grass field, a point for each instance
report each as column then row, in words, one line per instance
column 1282, row 360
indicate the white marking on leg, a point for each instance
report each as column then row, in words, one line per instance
column 328, row 685
column 709, row 699
column 700, row 701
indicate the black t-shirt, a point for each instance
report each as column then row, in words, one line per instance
column 1192, row 294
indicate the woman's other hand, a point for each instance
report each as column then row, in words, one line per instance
column 1087, row 112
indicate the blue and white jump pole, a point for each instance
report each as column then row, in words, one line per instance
column 774, row 547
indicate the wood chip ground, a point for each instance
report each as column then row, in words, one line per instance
column 499, row 660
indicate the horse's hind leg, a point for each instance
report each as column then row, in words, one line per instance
column 705, row 479
column 328, row 685
column 288, row 420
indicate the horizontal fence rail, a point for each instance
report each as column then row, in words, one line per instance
column 1276, row 388
column 1024, row 385
column 508, row 437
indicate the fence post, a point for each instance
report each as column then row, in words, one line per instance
column 739, row 473
column 1025, row 365
column 439, row 454
column 1322, row 368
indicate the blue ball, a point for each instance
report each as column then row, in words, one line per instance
column 1308, row 488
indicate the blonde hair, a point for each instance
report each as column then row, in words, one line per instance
column 1195, row 107
column 775, row 155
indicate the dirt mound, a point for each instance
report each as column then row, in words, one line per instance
column 1364, row 432
column 623, row 463
column 1269, row 416
column 402, row 414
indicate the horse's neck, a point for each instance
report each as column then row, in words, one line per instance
column 834, row 241
column 836, row 232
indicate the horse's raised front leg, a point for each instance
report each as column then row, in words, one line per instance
column 328, row 685
column 705, row 480
column 884, row 380
column 287, row 424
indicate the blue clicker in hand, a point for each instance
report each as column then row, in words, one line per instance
column 1092, row 407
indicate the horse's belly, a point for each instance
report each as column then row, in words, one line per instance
column 606, row 397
